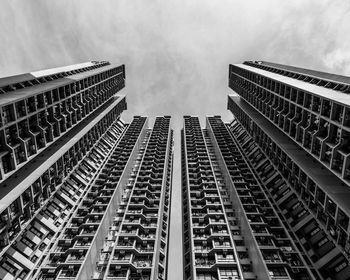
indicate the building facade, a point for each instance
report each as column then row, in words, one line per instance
column 293, row 126
column 84, row 195
column 231, row 228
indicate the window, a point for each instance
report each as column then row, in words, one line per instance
column 296, row 205
column 340, row 266
column 227, row 273
column 322, row 242
column 331, row 207
column 301, row 213
column 206, row 276
column 316, row 230
column 227, row 258
column 9, row 267
column 14, row 208
column 278, row 272
column 28, row 243
column 22, row 275
column 321, row 196
column 36, row 232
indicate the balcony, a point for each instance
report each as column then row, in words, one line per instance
column 271, row 257
column 76, row 257
column 205, row 262
column 142, row 262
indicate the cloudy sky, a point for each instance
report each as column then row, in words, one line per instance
column 176, row 52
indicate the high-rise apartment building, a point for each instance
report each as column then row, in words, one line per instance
column 84, row 195
column 231, row 228
column 293, row 126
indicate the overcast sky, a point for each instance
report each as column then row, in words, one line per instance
column 176, row 52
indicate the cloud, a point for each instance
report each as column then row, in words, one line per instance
column 311, row 35
column 338, row 59
column 175, row 52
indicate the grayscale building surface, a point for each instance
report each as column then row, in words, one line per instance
column 293, row 125
column 232, row 229
column 84, row 195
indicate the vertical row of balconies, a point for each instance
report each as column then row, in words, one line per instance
column 319, row 124
column 117, row 228
column 233, row 217
column 31, row 122
column 71, row 248
column 280, row 254
column 139, row 247
column 209, row 251
column 33, row 221
column 320, row 226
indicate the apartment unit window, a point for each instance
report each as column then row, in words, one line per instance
column 301, row 213
column 123, row 257
column 7, row 114
column 278, row 272
column 343, row 219
column 331, row 207
column 22, row 275
column 223, row 243
column 20, row 156
column 227, row 258
column 228, row 274
column 322, row 242
column 206, row 276
column 340, row 266
column 28, row 243
column 296, row 205
column 14, row 208
column 316, row 230
column 321, row 196
column 9, row 268
column 36, row 232
column 27, row 195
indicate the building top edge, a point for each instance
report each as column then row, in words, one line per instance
column 309, row 72
column 19, row 94
column 307, row 87
column 20, row 78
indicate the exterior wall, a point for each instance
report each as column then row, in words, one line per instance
column 34, row 117
column 300, row 120
column 136, row 247
column 209, row 249
column 231, row 230
column 83, row 194
column 265, row 232
column 51, row 207
column 85, row 231
column 292, row 188
column 116, row 224
column 56, row 128
column 313, row 112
